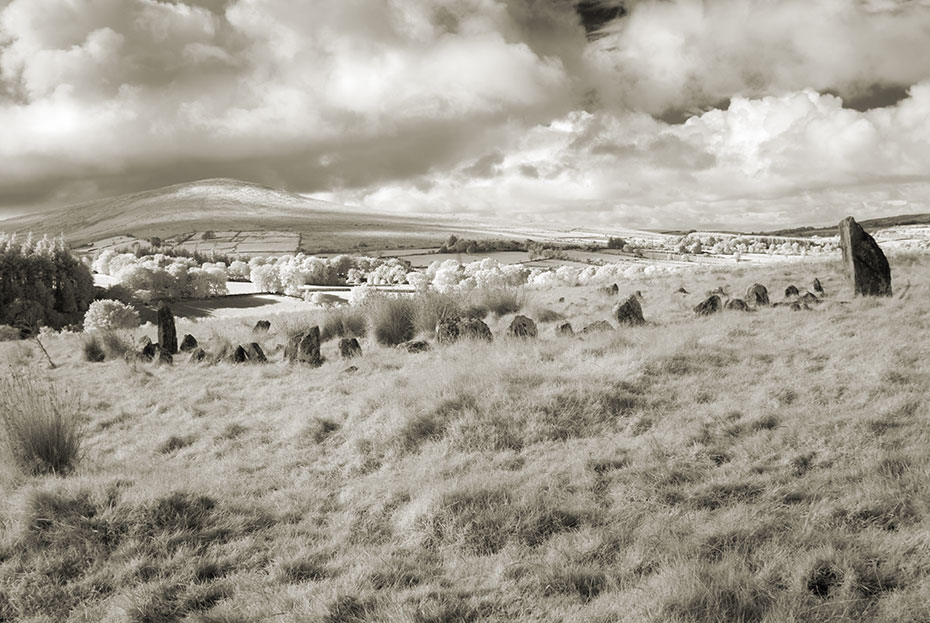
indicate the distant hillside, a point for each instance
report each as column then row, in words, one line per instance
column 232, row 205
column 874, row 223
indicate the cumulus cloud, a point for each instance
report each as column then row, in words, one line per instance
column 528, row 107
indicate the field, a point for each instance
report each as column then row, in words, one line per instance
column 766, row 466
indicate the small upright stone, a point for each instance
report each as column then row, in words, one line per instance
column 565, row 329
column 255, row 353
column 817, row 287
column 809, row 298
column 476, row 329
column 791, row 291
column 447, row 330
column 144, row 341
column 188, row 343
column 149, row 351
column 711, row 305
column 305, row 347
column 262, row 326
column 349, row 347
column 164, row 358
column 198, row 355
column 629, row 312
column 598, row 326
column 167, row 334
column 738, row 305
column 681, row 290
column 863, row 260
column 521, row 326
column 757, row 294
column 240, row 355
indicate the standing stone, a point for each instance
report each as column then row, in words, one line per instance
column 757, row 294
column 167, row 334
column 476, row 329
column 149, row 351
column 198, row 355
column 240, row 355
column 738, row 305
column 262, row 326
column 863, row 260
column 349, row 347
column 709, row 306
column 305, row 347
column 447, row 330
column 808, row 298
column 521, row 326
column 817, row 287
column 565, row 329
column 188, row 343
column 629, row 312
column 791, row 291
column 255, row 353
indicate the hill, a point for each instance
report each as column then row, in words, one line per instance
column 766, row 466
column 869, row 224
column 234, row 206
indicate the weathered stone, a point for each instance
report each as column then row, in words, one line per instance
column 262, row 326
column 240, row 355
column 629, row 312
column 476, row 329
column 612, row 289
column 681, row 291
column 757, row 294
column 719, row 291
column 521, row 326
column 305, row 347
column 447, row 330
column 255, row 353
column 817, row 287
column 188, row 343
column 144, row 341
column 864, row 262
column 709, row 306
column 350, row 370
column 599, row 326
column 349, row 347
column 809, row 298
column 796, row 306
column 164, row 357
column 198, row 355
column 791, row 291
column 418, row 346
column 565, row 329
column 167, row 334
column 149, row 351
column 738, row 305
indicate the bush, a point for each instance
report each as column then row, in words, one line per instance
column 93, row 350
column 108, row 315
column 8, row 333
column 392, row 319
column 102, row 345
column 431, row 307
column 40, row 425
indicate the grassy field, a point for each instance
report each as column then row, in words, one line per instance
column 767, row 466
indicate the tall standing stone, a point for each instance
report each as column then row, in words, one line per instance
column 863, row 261
column 167, row 334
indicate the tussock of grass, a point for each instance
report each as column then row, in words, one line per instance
column 391, row 319
column 42, row 427
column 343, row 322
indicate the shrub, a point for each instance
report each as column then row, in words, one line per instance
column 432, row 306
column 41, row 426
column 8, row 333
column 108, row 315
column 93, row 350
column 392, row 319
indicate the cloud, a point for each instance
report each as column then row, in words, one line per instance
column 757, row 164
column 694, row 54
column 522, row 106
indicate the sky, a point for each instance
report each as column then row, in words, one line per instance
column 736, row 114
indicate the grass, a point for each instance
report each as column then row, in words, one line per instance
column 741, row 467
column 41, row 425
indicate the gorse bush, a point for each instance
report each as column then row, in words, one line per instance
column 41, row 426
column 107, row 315
column 41, row 283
